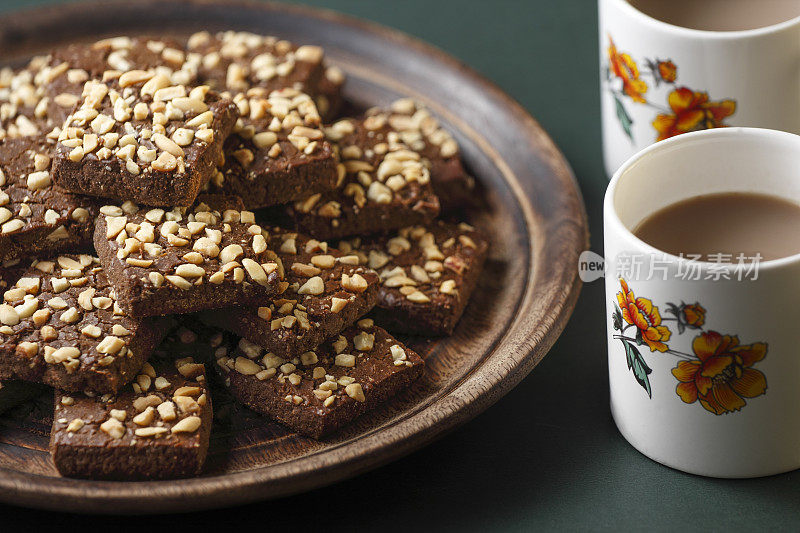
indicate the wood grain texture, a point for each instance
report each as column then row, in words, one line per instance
column 535, row 219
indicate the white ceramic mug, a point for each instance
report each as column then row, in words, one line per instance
column 704, row 371
column 658, row 80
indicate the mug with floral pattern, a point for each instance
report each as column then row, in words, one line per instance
column 703, row 357
column 658, row 80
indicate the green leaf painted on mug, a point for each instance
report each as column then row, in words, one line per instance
column 625, row 119
column 637, row 365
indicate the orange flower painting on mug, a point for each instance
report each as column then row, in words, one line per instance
column 668, row 71
column 721, row 378
column 691, row 111
column 645, row 316
column 686, row 109
column 624, row 68
column 718, row 373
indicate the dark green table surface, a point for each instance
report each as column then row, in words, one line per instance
column 547, row 456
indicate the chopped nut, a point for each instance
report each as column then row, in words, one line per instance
column 346, row 360
column 337, row 304
column 187, row 425
column 150, row 431
column 364, row 341
column 355, row 391
column 113, row 428
column 314, row 286
column 246, row 366
column 166, row 411
column 75, row 425
column 354, row 283
column 146, row 417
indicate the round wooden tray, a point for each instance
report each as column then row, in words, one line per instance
column 536, row 221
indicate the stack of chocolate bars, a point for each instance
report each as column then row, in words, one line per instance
column 134, row 174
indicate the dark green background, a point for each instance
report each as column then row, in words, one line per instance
column 547, row 456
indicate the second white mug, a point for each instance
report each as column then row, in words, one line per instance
column 659, row 80
column 703, row 358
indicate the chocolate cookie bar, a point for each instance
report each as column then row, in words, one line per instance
column 238, row 61
column 155, row 428
column 137, row 137
column 427, row 275
column 385, row 185
column 71, row 66
column 38, row 218
column 321, row 391
column 62, row 326
column 26, row 108
column 122, row 54
column 277, row 153
column 326, row 294
column 186, row 260
column 422, row 132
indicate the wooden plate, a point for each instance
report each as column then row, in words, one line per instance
column 536, row 220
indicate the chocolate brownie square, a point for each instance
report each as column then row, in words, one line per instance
column 238, row 61
column 420, row 130
column 185, row 260
column 60, row 325
column 69, row 67
column 38, row 218
column 136, row 136
column 122, row 54
column 326, row 294
column 385, row 184
column 277, row 153
column 157, row 427
column 321, row 391
column 26, row 107
column 427, row 275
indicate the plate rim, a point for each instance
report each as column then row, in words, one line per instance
column 464, row 401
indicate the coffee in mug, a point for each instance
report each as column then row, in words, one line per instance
column 725, row 226
column 720, row 15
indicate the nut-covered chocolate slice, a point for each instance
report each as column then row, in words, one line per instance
column 38, row 218
column 427, row 275
column 327, row 292
column 155, row 428
column 69, row 67
column 278, row 152
column 137, row 136
column 320, row 391
column 384, row 184
column 26, row 107
column 420, row 130
column 83, row 61
column 185, row 260
column 61, row 325
column 237, row 61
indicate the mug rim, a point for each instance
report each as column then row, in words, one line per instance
column 610, row 215
column 709, row 34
